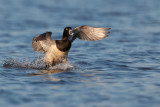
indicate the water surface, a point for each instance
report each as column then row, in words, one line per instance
column 122, row 70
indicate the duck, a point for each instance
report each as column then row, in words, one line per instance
column 56, row 51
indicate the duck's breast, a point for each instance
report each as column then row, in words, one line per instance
column 55, row 55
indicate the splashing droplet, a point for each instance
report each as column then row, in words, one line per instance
column 37, row 63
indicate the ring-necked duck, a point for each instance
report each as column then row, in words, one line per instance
column 57, row 50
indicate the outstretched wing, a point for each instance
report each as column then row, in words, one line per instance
column 42, row 42
column 89, row 33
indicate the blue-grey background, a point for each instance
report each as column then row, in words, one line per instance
column 122, row 70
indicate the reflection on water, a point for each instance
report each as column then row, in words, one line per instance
column 47, row 72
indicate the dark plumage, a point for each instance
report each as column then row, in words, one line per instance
column 57, row 50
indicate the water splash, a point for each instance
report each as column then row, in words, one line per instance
column 37, row 63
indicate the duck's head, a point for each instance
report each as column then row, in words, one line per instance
column 66, row 33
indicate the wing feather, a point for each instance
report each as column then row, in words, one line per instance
column 42, row 42
column 89, row 33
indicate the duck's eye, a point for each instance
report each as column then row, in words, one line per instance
column 66, row 28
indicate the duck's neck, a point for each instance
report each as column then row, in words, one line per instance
column 65, row 35
column 63, row 45
column 65, row 38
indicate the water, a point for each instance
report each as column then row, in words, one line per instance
column 122, row 70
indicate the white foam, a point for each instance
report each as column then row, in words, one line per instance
column 37, row 63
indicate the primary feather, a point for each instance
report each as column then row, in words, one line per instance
column 42, row 42
column 89, row 33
